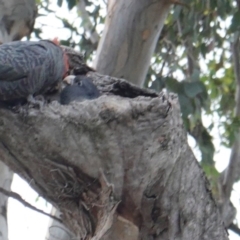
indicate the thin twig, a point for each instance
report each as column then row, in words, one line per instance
column 17, row 197
column 234, row 228
column 176, row 2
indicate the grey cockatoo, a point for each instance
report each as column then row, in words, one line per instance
column 30, row 68
column 79, row 88
column 17, row 18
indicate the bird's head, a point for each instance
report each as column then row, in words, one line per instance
column 74, row 60
column 69, row 80
column 78, row 88
column 56, row 41
column 65, row 57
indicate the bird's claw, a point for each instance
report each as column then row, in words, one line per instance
column 37, row 102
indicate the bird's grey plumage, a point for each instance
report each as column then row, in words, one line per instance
column 17, row 18
column 28, row 68
column 80, row 89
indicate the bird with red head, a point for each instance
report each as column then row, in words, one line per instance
column 31, row 68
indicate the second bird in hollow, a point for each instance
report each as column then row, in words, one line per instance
column 79, row 88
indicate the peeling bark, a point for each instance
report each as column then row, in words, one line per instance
column 117, row 167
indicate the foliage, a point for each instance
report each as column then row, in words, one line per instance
column 84, row 42
column 194, row 61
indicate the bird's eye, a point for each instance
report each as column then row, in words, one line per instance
column 80, row 83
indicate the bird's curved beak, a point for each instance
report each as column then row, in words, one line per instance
column 69, row 80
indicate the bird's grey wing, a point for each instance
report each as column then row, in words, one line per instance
column 16, row 62
column 8, row 73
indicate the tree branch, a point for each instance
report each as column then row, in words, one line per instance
column 234, row 228
column 231, row 174
column 129, row 48
column 17, row 197
column 117, row 162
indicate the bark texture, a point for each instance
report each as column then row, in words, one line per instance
column 17, row 19
column 5, row 182
column 131, row 31
column 117, row 167
column 231, row 174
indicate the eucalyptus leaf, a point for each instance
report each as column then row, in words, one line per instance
column 186, row 105
column 192, row 89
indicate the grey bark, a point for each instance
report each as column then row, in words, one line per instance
column 143, row 24
column 16, row 21
column 231, row 174
column 118, row 167
column 131, row 31
column 5, row 182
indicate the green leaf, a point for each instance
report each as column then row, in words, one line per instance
column 59, row 3
column 177, row 12
column 206, row 147
column 207, row 151
column 186, row 105
column 158, row 84
column 71, row 4
column 191, row 89
column 195, row 75
column 235, row 22
column 203, row 49
column 173, row 85
column 210, row 171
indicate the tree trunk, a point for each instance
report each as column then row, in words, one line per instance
column 5, row 182
column 231, row 174
column 16, row 22
column 131, row 31
column 147, row 25
column 117, row 167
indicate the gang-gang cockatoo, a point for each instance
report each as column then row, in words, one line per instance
column 17, row 19
column 79, row 88
column 30, row 68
